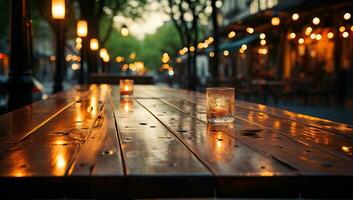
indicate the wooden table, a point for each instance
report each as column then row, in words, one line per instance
column 89, row 143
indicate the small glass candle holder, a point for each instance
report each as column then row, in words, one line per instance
column 126, row 88
column 220, row 103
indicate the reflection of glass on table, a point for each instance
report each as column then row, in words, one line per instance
column 220, row 104
column 126, row 87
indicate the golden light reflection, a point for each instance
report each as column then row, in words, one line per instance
column 126, row 105
column 276, row 124
column 92, row 108
column 20, row 165
column 347, row 149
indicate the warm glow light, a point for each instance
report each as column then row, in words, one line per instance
column 132, row 55
column 352, row 28
column 119, row 59
column 94, row 44
column 316, row 20
column 308, row 30
column 226, row 53
column 78, row 40
column 347, row 16
column 192, row 48
column 345, row 34
column 81, row 28
column 342, row 29
column 211, row 54
column 103, row 52
column 318, row 37
column 231, row 34
column 179, row 60
column 292, row 35
column 75, row 66
column 165, row 58
column 262, row 42
column 330, row 35
column 244, row 46
column 275, row 21
column 124, row 31
column 58, row 9
column 313, row 36
column 262, row 36
column 301, row 41
column 250, row 30
column 295, row 16
column 185, row 49
column 262, row 51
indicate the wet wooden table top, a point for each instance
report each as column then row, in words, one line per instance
column 87, row 142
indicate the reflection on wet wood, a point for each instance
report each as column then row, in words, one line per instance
column 89, row 143
column 99, row 158
column 226, row 157
column 323, row 124
column 48, row 151
column 157, row 164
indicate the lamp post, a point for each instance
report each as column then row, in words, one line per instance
column 82, row 33
column 58, row 14
column 20, row 81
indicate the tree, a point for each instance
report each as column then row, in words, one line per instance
column 185, row 15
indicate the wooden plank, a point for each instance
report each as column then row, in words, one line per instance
column 98, row 169
column 324, row 124
column 331, row 126
column 323, row 139
column 22, row 122
column 157, row 164
column 241, row 170
column 313, row 164
column 36, row 165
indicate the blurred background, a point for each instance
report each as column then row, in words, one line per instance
column 295, row 55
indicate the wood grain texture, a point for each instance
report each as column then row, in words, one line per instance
column 98, row 168
column 311, row 162
column 36, row 165
column 323, row 124
column 325, row 140
column 22, row 122
column 240, row 170
column 157, row 164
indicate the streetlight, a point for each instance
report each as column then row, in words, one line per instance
column 93, row 44
column 58, row 14
column 82, row 33
column 124, row 31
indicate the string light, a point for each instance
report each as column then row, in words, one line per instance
column 345, row 34
column 250, row 30
column 226, row 53
column 192, row 48
column 262, row 42
column 318, row 37
column 275, row 21
column 342, row 29
column 262, row 36
column 313, row 36
column 301, row 41
column 211, row 54
column 316, row 20
column 330, row 35
column 347, row 16
column 308, row 30
column 231, row 34
column 295, row 16
column 244, row 46
column 292, row 35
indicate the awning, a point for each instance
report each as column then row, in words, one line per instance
column 235, row 44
